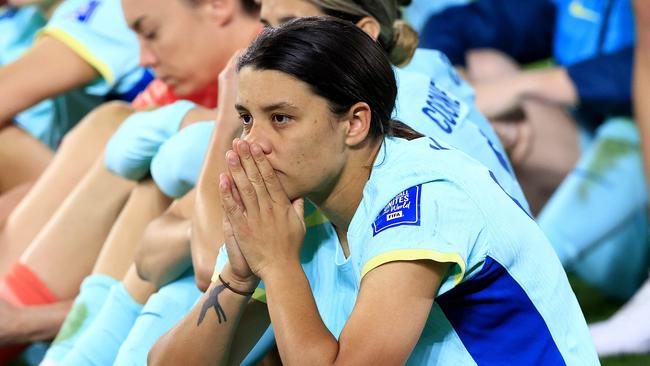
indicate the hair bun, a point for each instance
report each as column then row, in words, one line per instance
column 405, row 41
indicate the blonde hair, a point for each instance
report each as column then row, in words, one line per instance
column 396, row 37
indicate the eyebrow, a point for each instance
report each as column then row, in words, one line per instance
column 268, row 108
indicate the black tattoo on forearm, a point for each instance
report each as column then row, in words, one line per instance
column 213, row 302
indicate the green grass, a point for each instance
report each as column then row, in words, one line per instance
column 597, row 307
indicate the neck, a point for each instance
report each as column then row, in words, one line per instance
column 341, row 204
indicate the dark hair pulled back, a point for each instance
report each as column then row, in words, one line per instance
column 338, row 61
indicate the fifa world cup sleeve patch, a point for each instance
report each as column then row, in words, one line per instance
column 404, row 209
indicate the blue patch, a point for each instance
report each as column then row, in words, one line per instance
column 86, row 11
column 404, row 209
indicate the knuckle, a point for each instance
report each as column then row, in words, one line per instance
column 248, row 190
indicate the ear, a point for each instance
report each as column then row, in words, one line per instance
column 359, row 121
column 371, row 26
column 220, row 11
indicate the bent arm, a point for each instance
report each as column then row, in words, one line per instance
column 405, row 290
column 207, row 236
column 48, row 69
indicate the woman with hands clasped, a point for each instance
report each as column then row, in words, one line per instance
column 422, row 257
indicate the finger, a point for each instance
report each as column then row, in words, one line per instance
column 246, row 190
column 253, row 173
column 228, row 232
column 234, row 144
column 232, row 211
column 299, row 207
column 270, row 178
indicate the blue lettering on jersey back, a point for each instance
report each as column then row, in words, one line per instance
column 86, row 11
column 436, row 145
column 441, row 109
column 404, row 209
column 498, row 154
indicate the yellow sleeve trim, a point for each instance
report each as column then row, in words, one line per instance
column 80, row 50
column 315, row 218
column 414, row 255
column 259, row 295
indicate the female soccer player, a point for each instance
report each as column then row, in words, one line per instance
column 415, row 221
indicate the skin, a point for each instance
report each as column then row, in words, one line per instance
column 641, row 78
column 182, row 61
column 279, row 161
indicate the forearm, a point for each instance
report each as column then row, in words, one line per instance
column 164, row 252
column 301, row 336
column 552, row 85
column 207, row 232
column 206, row 334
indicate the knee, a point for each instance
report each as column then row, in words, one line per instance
column 98, row 125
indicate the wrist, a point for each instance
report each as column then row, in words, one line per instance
column 280, row 269
column 241, row 284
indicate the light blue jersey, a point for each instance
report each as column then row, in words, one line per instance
column 434, row 111
column 506, row 299
column 97, row 31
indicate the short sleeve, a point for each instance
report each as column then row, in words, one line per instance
column 435, row 221
column 97, row 31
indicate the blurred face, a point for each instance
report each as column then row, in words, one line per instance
column 303, row 140
column 178, row 41
column 276, row 12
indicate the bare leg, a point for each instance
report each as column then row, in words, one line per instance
column 138, row 288
column 145, row 204
column 79, row 149
column 65, row 251
column 543, row 144
column 10, row 200
column 22, row 158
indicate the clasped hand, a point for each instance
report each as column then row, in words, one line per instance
column 263, row 229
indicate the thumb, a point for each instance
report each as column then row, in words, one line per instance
column 299, row 206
